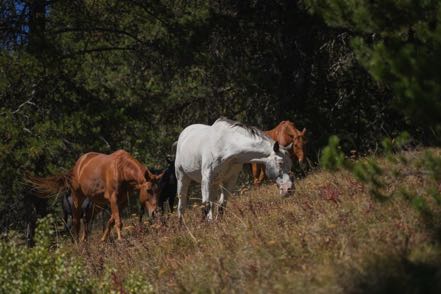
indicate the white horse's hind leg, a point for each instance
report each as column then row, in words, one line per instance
column 182, row 191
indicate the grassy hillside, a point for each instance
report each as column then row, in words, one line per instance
column 330, row 237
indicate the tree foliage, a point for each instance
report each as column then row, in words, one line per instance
column 79, row 76
column 399, row 43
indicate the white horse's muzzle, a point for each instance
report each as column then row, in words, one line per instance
column 285, row 185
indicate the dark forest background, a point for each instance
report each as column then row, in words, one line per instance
column 100, row 75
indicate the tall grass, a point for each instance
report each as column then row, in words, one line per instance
column 330, row 237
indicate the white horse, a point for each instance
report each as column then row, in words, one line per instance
column 214, row 156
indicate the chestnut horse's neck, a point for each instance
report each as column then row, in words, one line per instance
column 285, row 133
column 131, row 170
column 281, row 133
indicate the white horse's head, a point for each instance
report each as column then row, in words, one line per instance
column 278, row 165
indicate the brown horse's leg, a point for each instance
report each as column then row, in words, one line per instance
column 115, row 214
column 262, row 174
column 258, row 173
column 254, row 172
column 85, row 228
column 108, row 228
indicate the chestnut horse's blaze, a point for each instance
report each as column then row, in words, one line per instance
column 285, row 133
column 104, row 179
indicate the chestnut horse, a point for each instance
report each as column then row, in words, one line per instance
column 286, row 134
column 104, row 179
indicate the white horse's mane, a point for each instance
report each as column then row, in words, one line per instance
column 250, row 130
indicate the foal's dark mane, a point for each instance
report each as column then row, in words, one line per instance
column 252, row 130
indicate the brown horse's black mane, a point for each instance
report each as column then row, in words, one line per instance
column 252, row 130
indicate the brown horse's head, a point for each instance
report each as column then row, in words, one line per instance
column 297, row 140
column 149, row 192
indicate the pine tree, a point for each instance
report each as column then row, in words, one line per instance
column 399, row 43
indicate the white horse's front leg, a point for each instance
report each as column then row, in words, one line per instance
column 210, row 193
column 182, row 191
column 226, row 190
column 206, row 205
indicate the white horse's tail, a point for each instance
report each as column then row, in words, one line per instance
column 173, row 148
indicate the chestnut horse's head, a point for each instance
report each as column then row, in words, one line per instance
column 149, row 192
column 297, row 139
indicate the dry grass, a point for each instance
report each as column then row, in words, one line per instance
column 330, row 237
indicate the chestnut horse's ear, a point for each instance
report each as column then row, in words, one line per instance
column 276, row 147
column 303, row 132
column 158, row 177
column 151, row 177
column 148, row 175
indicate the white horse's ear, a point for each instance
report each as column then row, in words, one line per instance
column 276, row 147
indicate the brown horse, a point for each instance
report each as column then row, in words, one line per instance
column 285, row 133
column 104, row 179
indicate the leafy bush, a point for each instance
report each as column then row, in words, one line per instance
column 47, row 268
column 379, row 179
column 112, row 282
column 40, row 269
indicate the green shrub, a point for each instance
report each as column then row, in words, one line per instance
column 378, row 174
column 41, row 269
column 47, row 268
column 134, row 282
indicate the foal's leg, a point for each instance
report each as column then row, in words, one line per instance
column 171, row 200
column 65, row 220
column 141, row 212
column 76, row 212
column 67, row 203
column 88, row 211
column 161, row 200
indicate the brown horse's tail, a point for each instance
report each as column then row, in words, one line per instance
column 49, row 186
